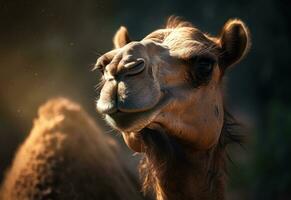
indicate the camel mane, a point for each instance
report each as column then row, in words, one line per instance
column 164, row 152
column 184, row 39
column 177, row 22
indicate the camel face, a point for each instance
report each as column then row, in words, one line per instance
column 131, row 92
column 170, row 81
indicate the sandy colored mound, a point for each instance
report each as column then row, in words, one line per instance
column 66, row 156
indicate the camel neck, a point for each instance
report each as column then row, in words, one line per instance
column 176, row 172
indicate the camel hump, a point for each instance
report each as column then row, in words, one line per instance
column 66, row 156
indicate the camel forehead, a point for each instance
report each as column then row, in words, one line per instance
column 184, row 34
column 184, row 42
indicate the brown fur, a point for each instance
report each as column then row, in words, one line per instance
column 171, row 107
column 166, row 160
column 67, row 157
column 172, row 170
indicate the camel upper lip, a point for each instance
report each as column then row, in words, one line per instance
column 124, row 120
column 160, row 103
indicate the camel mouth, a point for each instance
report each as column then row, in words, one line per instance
column 136, row 121
column 128, row 122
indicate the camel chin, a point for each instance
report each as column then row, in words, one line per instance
column 131, row 122
column 136, row 121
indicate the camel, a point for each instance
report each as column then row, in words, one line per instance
column 67, row 156
column 164, row 95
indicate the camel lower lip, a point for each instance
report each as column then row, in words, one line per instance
column 126, row 121
column 119, row 115
column 132, row 121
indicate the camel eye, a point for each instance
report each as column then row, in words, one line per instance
column 203, row 68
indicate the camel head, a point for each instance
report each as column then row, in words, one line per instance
column 170, row 81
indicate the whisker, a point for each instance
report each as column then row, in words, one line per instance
column 100, row 84
column 98, row 53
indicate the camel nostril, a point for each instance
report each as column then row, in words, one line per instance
column 135, row 67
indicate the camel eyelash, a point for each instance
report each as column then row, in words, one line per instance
column 200, row 70
column 207, row 57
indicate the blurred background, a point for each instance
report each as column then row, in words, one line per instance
column 47, row 49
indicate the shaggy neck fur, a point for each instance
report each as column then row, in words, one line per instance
column 175, row 171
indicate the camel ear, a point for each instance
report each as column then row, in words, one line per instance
column 235, row 42
column 121, row 37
